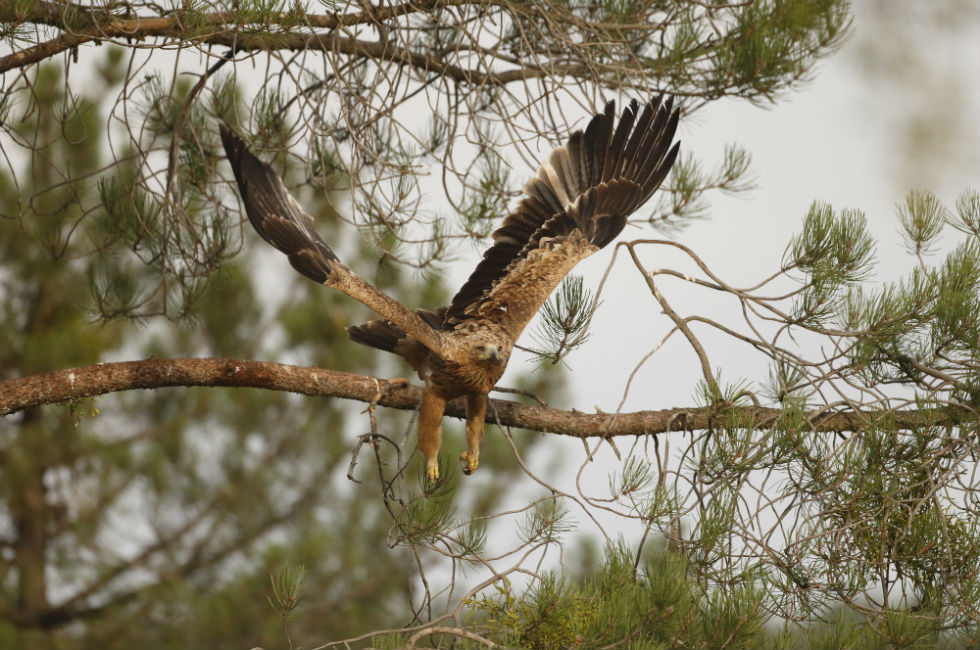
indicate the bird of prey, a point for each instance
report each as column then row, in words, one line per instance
column 577, row 203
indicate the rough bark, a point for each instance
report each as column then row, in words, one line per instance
column 82, row 25
column 77, row 383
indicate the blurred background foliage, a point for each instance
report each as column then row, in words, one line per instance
column 155, row 519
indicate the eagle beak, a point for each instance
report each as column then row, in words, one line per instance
column 494, row 352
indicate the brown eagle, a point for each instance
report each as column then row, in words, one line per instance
column 577, row 203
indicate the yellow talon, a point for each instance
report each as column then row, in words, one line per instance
column 469, row 464
column 432, row 471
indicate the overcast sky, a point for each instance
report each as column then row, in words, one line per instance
column 896, row 108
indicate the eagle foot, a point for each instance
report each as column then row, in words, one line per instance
column 398, row 383
column 468, row 463
column 432, row 472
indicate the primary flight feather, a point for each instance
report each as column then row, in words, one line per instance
column 577, row 202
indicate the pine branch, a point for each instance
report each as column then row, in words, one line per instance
column 83, row 25
column 76, row 383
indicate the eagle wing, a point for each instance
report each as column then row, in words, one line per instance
column 576, row 204
column 280, row 220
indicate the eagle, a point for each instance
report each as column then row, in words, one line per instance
column 576, row 203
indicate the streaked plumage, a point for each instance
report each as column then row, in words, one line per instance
column 578, row 202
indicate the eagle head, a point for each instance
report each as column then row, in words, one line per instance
column 488, row 353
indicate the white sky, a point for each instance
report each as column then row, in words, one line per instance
column 844, row 139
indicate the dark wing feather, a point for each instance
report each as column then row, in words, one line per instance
column 385, row 335
column 274, row 213
column 591, row 185
column 279, row 219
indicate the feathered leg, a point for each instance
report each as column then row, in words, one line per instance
column 430, row 431
column 476, row 410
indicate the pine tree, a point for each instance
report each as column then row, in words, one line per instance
column 835, row 505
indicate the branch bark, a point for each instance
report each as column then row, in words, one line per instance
column 82, row 25
column 89, row 381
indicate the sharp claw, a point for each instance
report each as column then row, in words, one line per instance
column 469, row 464
column 433, row 473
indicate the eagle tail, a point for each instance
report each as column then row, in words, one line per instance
column 380, row 334
column 385, row 335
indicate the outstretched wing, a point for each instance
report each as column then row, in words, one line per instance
column 577, row 203
column 279, row 219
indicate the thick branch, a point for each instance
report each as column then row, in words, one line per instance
column 77, row 383
column 60, row 14
column 222, row 28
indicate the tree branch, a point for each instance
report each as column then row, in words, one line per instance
column 89, row 381
column 82, row 25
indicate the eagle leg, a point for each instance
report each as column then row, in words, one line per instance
column 430, row 431
column 476, row 410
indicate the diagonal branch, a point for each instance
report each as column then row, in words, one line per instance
column 82, row 25
column 89, row 381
